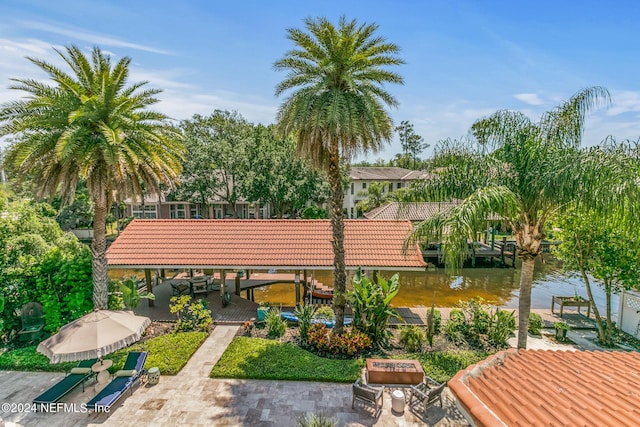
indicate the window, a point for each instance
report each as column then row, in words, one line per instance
column 351, row 216
column 145, row 211
column 178, row 211
column 364, row 185
column 352, row 186
column 399, row 185
column 194, row 211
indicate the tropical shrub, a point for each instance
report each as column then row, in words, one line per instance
column 371, row 303
column 313, row 420
column 276, row 325
column 304, row 314
column 472, row 323
column 324, row 312
column 192, row 315
column 129, row 294
column 412, row 338
column 535, row 323
column 350, row 343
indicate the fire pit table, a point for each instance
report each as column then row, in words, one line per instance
column 394, row 373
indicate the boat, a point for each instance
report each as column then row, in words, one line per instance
column 322, row 293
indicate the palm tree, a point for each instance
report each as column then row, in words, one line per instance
column 91, row 126
column 527, row 173
column 375, row 196
column 336, row 108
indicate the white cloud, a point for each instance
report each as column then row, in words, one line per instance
column 93, row 38
column 624, row 102
column 529, row 98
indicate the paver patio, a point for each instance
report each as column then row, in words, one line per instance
column 191, row 398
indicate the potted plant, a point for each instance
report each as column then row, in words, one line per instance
column 561, row 330
column 263, row 309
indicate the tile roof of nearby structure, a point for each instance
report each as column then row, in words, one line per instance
column 258, row 243
column 373, row 173
column 418, row 211
column 551, row 388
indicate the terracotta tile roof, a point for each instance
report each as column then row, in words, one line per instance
column 257, row 243
column 418, row 211
column 551, row 388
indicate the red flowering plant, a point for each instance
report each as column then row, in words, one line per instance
column 350, row 343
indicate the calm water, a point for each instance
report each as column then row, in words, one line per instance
column 498, row 286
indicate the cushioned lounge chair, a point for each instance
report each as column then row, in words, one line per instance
column 123, row 381
column 77, row 376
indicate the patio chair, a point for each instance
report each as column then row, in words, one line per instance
column 32, row 322
column 77, row 376
column 368, row 395
column 426, row 394
column 124, row 380
column 180, row 288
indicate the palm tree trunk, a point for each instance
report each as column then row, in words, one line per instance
column 99, row 261
column 594, row 307
column 524, row 300
column 337, row 225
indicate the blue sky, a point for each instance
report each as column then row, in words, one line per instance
column 464, row 59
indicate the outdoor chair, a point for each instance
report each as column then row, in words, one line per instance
column 124, row 380
column 32, row 322
column 77, row 376
column 180, row 288
column 199, row 287
column 426, row 394
column 368, row 395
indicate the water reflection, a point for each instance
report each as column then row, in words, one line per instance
column 498, row 286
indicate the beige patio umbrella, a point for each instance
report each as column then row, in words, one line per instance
column 94, row 335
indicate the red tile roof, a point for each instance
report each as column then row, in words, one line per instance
column 551, row 388
column 256, row 243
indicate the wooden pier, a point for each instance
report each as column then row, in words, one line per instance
column 498, row 252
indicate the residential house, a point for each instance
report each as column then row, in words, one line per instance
column 152, row 207
column 362, row 177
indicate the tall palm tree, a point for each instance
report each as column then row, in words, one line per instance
column 90, row 125
column 525, row 172
column 336, row 108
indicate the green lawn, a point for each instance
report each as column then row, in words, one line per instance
column 168, row 352
column 259, row 358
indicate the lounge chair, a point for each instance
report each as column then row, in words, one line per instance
column 123, row 381
column 78, row 375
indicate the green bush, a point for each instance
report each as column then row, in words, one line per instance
column 324, row 312
column 192, row 315
column 412, row 338
column 472, row 323
column 259, row 358
column 313, row 420
column 276, row 325
column 535, row 323
column 304, row 314
column 350, row 343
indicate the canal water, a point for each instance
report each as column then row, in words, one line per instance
column 497, row 286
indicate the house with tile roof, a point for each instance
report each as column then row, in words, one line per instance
column 414, row 212
column 362, row 177
column 551, row 388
